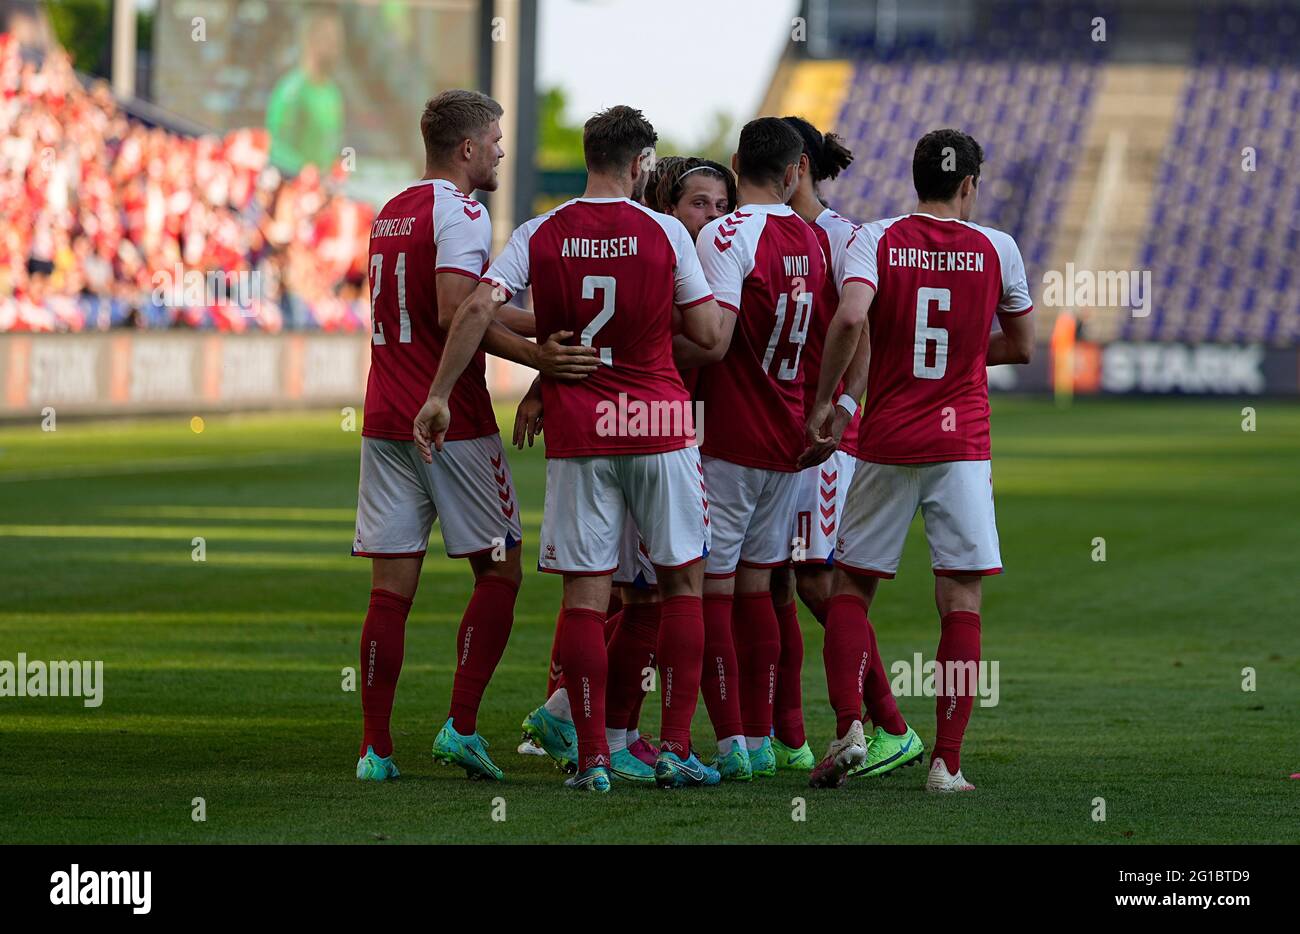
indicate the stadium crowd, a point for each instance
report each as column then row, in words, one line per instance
column 103, row 211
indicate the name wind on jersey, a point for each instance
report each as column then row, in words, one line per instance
column 659, row 418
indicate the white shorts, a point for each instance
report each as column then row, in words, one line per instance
column 749, row 512
column 588, row 499
column 819, row 503
column 955, row 499
column 467, row 488
column 635, row 569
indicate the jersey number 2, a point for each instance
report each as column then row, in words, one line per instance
column 942, row 299
column 589, row 286
column 403, row 317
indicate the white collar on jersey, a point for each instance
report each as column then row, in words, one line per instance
column 602, row 200
column 934, row 218
column 435, row 181
column 766, row 209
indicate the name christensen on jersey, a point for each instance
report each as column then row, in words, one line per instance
column 937, row 260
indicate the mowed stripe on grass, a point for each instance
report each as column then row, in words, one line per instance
column 1119, row 679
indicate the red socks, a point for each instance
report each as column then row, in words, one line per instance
column 582, row 653
column 556, row 673
column 758, row 650
column 719, row 681
column 876, row 694
column 846, row 653
column 680, row 652
column 631, row 650
column 383, row 638
column 787, row 708
column 959, row 642
column 484, row 629
column 611, row 624
column 882, row 709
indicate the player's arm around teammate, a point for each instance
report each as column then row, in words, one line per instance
column 612, row 270
column 551, row 357
column 694, row 191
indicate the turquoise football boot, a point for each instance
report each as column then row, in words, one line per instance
column 558, row 737
column 733, row 765
column 625, row 766
column 468, row 752
column 595, row 779
column 762, row 761
column 374, row 768
column 671, row 771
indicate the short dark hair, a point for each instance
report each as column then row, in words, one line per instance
column 666, row 181
column 826, row 152
column 453, row 117
column 942, row 159
column 613, row 138
column 767, row 146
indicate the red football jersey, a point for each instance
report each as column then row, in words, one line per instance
column 833, row 233
column 939, row 282
column 610, row 271
column 763, row 263
column 429, row 228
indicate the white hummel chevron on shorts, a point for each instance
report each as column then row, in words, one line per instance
column 955, row 499
column 819, row 503
column 588, row 499
column 635, row 569
column 749, row 513
column 467, row 488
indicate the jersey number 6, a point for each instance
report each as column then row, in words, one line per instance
column 942, row 299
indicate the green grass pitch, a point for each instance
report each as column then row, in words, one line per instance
column 1120, row 679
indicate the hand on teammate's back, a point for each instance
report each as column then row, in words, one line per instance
column 568, row 362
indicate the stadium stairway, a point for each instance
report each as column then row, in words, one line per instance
column 1106, row 209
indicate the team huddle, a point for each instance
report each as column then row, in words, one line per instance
column 703, row 342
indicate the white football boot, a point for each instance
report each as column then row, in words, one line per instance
column 941, row 780
column 846, row 753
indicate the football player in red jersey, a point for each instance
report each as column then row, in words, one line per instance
column 612, row 270
column 928, row 286
column 428, row 246
column 695, row 191
column 823, row 487
column 766, row 268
